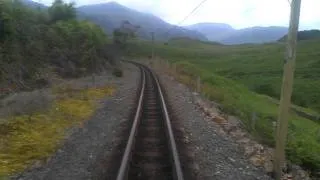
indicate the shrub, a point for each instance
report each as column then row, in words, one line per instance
column 266, row 89
column 117, row 72
column 303, row 147
column 25, row 103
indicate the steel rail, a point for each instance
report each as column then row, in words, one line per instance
column 173, row 147
column 125, row 163
column 123, row 171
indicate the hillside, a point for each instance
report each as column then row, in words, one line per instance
column 111, row 15
column 225, row 34
column 259, row 67
column 305, row 35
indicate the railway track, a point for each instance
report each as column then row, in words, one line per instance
column 151, row 151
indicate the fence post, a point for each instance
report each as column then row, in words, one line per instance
column 161, row 64
column 93, row 78
column 158, row 64
column 274, row 124
column 253, row 120
column 174, row 68
column 198, row 84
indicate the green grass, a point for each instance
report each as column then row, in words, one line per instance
column 232, row 76
column 259, row 67
column 303, row 146
column 4, row 177
column 25, row 139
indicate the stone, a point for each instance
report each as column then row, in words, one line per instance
column 256, row 160
column 268, row 166
column 259, row 148
column 237, row 134
column 37, row 164
column 249, row 151
column 243, row 141
column 219, row 119
column 195, row 93
column 232, row 160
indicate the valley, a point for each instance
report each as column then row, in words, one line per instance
column 78, row 56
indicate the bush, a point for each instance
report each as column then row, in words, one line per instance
column 303, row 147
column 117, row 72
column 25, row 103
column 266, row 89
column 31, row 40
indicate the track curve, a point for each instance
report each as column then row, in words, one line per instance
column 151, row 151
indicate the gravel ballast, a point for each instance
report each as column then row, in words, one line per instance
column 83, row 150
column 90, row 152
column 215, row 156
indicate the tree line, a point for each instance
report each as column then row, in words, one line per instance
column 34, row 42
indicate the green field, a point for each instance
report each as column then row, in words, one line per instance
column 240, row 78
column 259, row 67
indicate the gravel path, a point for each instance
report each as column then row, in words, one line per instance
column 85, row 149
column 214, row 156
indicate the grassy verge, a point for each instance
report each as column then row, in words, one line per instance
column 303, row 147
column 236, row 76
column 25, row 139
column 258, row 67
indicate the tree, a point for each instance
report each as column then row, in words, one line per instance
column 33, row 41
column 122, row 34
column 61, row 11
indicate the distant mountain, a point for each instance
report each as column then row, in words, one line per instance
column 32, row 4
column 213, row 31
column 225, row 34
column 305, row 35
column 110, row 15
column 255, row 35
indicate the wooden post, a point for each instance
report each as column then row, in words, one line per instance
column 198, row 84
column 253, row 120
column 163, row 65
column 174, row 68
column 152, row 53
column 160, row 64
column 93, row 78
column 274, row 125
column 286, row 91
column 168, row 68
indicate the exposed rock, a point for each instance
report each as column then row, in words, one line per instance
column 36, row 164
column 243, row 141
column 257, row 160
column 268, row 166
column 249, row 151
column 299, row 174
column 219, row 120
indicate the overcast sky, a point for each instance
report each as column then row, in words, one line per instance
column 237, row 13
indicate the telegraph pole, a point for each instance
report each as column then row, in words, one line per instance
column 152, row 36
column 286, row 91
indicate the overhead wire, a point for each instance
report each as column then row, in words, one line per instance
column 185, row 18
